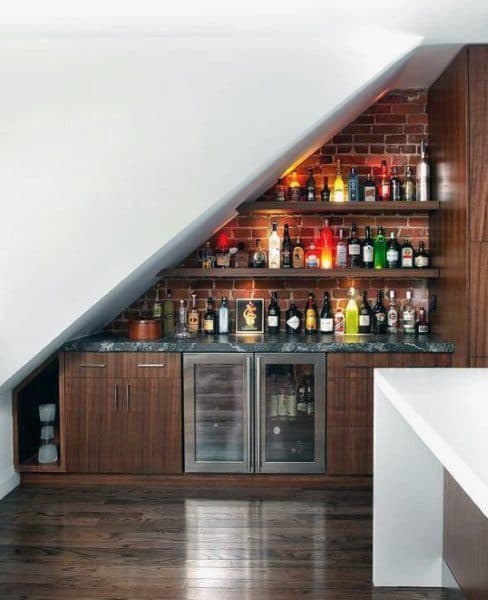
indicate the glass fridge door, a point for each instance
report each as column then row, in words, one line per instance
column 217, row 406
column 290, row 404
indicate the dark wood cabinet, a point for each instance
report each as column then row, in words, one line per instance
column 124, row 424
column 350, row 404
column 458, row 124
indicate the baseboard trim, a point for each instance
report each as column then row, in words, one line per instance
column 251, row 481
column 9, row 483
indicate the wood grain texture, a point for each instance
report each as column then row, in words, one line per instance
column 478, row 268
column 280, row 208
column 197, row 544
column 465, row 540
column 122, row 364
column 349, row 450
column 478, row 134
column 448, row 133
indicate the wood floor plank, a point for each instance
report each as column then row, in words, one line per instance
column 116, row 543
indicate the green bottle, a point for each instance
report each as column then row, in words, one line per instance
column 352, row 313
column 380, row 249
column 168, row 315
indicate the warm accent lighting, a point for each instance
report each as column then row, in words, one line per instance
column 326, row 247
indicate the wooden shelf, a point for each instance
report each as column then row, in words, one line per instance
column 32, row 466
column 183, row 273
column 325, row 208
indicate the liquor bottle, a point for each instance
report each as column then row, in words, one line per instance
column 292, row 319
column 301, row 400
column 274, row 247
column 352, row 314
column 326, row 246
column 258, row 259
column 223, row 316
column 294, row 191
column 157, row 307
column 326, row 192
column 310, row 186
column 409, row 186
column 354, row 248
column 422, row 259
column 312, row 258
column 286, row 250
column 298, row 256
column 380, row 249
column 367, row 250
column 364, row 315
column 392, row 313
column 146, row 313
column 406, row 255
column 422, row 325
column 240, row 260
column 274, row 313
column 207, row 256
column 223, row 255
column 339, row 184
column 291, row 389
column 181, row 329
column 339, row 321
column 423, row 175
column 379, row 314
column 309, row 396
column 392, row 252
column 283, row 394
column 274, row 394
column 384, row 183
column 193, row 315
column 369, row 189
column 341, row 252
column 280, row 191
column 353, row 186
column 209, row 318
column 395, row 186
column 168, row 314
column 326, row 318
column 408, row 315
column 311, row 314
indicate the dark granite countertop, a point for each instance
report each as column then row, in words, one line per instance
column 264, row 343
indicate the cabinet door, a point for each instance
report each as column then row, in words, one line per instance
column 92, row 422
column 290, row 413
column 150, row 438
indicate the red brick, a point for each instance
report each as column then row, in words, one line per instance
column 326, row 159
column 417, row 118
column 388, row 129
column 358, row 149
column 343, row 149
column 328, row 149
column 414, row 129
column 363, row 120
column 393, row 118
column 368, row 139
column 377, row 149
column 357, row 129
column 342, row 139
column 408, row 108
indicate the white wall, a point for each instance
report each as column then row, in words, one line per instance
column 119, row 155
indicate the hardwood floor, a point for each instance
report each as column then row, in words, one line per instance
column 216, row 544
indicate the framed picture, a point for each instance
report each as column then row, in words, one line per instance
column 250, row 315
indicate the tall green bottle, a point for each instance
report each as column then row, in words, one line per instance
column 380, row 249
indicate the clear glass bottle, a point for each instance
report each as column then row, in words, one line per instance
column 339, row 321
column 193, row 315
column 312, row 257
column 298, row 255
column 294, row 191
column 406, row 255
column 384, row 189
column 274, row 247
column 280, row 191
column 409, row 314
column 258, row 258
column 341, row 251
column 224, row 316
column 423, row 175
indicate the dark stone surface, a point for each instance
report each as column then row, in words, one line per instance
column 265, row 343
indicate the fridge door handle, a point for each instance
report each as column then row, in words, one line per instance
column 257, row 418
column 250, row 419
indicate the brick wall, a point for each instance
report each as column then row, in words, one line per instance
column 389, row 130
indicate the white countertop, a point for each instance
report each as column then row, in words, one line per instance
column 448, row 410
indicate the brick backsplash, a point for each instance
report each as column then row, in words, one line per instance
column 389, row 130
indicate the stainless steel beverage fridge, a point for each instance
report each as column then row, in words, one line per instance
column 262, row 413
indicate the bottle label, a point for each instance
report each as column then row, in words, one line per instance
column 273, row 321
column 286, row 258
column 368, row 254
column 380, row 317
column 312, row 260
column 354, row 249
column 421, row 261
column 369, row 193
column 392, row 318
column 327, row 325
column 274, row 258
column 283, row 405
column 392, row 255
column 364, row 320
column 341, row 256
column 293, row 322
column 298, row 258
column 292, row 404
column 208, row 325
column 408, row 321
column 407, row 257
column 423, row 329
column 193, row 321
column 339, row 323
column 310, row 319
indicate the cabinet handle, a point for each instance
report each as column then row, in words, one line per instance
column 116, row 397
column 92, row 365
column 150, row 365
column 128, row 397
